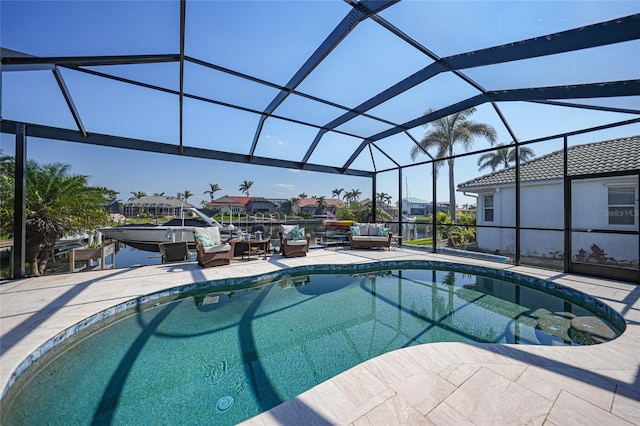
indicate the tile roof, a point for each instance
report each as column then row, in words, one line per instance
column 598, row 157
column 308, row 202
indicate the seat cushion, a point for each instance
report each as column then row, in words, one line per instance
column 373, row 230
column 296, row 242
column 220, row 248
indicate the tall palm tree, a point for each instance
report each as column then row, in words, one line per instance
column 138, row 194
column 445, row 134
column 245, row 186
column 213, row 187
column 355, row 194
column 186, row 194
column 336, row 192
column 321, row 204
column 57, row 203
column 295, row 203
column 383, row 198
column 158, row 194
column 503, row 156
column 303, row 195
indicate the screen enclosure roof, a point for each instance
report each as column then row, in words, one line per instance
column 339, row 87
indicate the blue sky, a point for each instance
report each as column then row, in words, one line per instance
column 270, row 40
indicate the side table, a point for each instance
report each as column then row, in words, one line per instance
column 258, row 247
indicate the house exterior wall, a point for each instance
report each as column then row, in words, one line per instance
column 590, row 210
column 542, row 207
column 264, row 206
column 493, row 239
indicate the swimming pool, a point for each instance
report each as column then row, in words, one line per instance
column 221, row 354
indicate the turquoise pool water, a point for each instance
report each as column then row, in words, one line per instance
column 222, row 355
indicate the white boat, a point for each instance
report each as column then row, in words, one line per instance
column 148, row 236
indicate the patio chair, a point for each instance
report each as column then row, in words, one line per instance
column 293, row 241
column 174, row 252
column 211, row 250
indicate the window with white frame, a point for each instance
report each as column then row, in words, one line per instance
column 488, row 208
column 622, row 205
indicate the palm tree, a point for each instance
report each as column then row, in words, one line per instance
column 213, row 187
column 355, row 194
column 158, row 194
column 383, row 198
column 503, row 156
column 295, row 203
column 57, row 203
column 138, row 194
column 186, row 194
column 336, row 192
column 446, row 133
column 303, row 195
column 245, row 186
column 321, row 205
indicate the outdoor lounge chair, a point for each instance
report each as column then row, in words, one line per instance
column 293, row 241
column 211, row 250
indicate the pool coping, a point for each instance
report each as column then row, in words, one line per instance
column 96, row 286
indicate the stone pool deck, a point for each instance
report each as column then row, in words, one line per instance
column 439, row 383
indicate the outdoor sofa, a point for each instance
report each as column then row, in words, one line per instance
column 369, row 235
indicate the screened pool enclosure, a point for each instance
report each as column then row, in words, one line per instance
column 354, row 87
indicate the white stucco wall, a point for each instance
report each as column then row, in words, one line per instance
column 622, row 248
column 503, row 215
column 542, row 206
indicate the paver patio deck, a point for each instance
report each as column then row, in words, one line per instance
column 438, row 383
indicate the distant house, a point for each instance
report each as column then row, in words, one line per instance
column 155, row 205
column 260, row 205
column 604, row 198
column 412, row 206
column 226, row 204
column 310, row 205
column 279, row 202
column 241, row 204
column 113, row 207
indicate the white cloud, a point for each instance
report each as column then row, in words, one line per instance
column 285, row 185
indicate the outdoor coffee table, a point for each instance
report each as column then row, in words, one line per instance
column 257, row 247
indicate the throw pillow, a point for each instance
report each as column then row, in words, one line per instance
column 298, row 234
column 286, row 230
column 205, row 239
column 383, row 232
column 355, row 231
